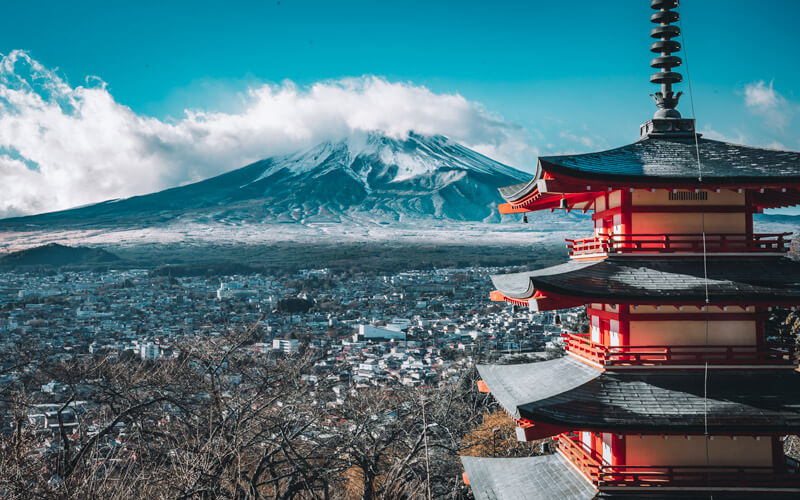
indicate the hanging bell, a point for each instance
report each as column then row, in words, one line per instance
column 563, row 204
column 524, row 219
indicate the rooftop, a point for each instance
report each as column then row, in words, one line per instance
column 551, row 476
column 669, row 160
column 566, row 392
column 545, row 477
column 644, row 279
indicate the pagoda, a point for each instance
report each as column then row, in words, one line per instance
column 675, row 391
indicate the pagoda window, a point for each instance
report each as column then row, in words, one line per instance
column 600, row 227
column 616, row 225
column 608, row 448
column 688, row 196
column 597, row 330
column 614, row 336
column 587, row 440
column 668, row 197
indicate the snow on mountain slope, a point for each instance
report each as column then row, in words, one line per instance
column 375, row 177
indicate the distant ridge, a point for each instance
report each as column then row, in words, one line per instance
column 55, row 255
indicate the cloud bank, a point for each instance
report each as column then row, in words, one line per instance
column 765, row 101
column 63, row 146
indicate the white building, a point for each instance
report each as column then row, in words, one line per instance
column 398, row 324
column 149, row 350
column 233, row 290
column 286, row 345
column 369, row 332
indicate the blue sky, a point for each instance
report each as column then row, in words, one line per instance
column 572, row 75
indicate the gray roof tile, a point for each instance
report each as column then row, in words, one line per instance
column 667, row 160
column 567, row 392
column 673, row 158
column 647, row 278
column 515, row 385
column 531, row 478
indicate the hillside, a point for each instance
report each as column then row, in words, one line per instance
column 55, row 255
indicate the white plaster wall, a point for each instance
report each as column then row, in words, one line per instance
column 692, row 333
column 688, row 223
column 677, row 450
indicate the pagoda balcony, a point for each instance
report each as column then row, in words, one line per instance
column 770, row 354
column 678, row 243
column 605, row 475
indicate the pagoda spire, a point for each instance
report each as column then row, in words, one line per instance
column 666, row 121
column 666, row 100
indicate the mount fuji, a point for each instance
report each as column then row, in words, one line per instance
column 417, row 178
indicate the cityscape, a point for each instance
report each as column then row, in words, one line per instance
column 351, row 333
column 371, row 329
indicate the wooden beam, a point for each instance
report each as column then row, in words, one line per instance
column 528, row 430
column 507, row 208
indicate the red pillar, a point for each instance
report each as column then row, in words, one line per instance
column 625, row 200
column 624, row 324
column 748, row 214
column 618, row 449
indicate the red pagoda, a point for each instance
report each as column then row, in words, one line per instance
column 675, row 391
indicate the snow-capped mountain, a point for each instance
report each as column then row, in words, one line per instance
column 378, row 177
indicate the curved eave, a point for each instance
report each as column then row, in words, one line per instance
column 671, row 160
column 517, row 192
column 539, row 301
column 544, row 477
column 516, row 385
column 664, row 163
column 604, row 179
column 565, row 393
column 647, row 280
column 674, row 402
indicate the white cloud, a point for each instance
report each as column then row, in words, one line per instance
column 759, row 95
column 775, row 145
column 583, row 140
column 740, row 138
column 62, row 146
column 764, row 100
column 710, row 133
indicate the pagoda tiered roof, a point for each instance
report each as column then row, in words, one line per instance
column 660, row 162
column 643, row 280
column 566, row 392
column 673, row 226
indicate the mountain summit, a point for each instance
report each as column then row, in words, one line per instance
column 420, row 177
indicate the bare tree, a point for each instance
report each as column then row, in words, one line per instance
column 221, row 420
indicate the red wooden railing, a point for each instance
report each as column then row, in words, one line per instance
column 588, row 462
column 606, row 475
column 675, row 243
column 664, row 355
